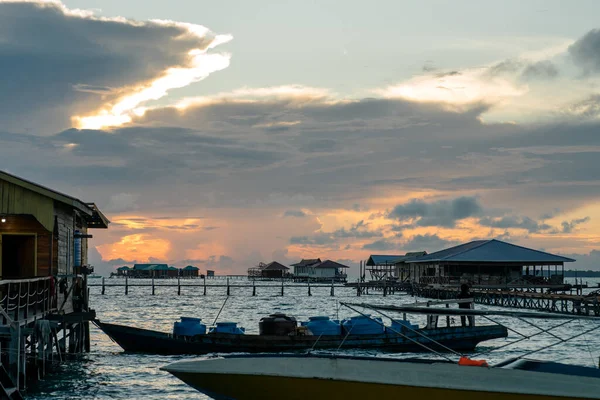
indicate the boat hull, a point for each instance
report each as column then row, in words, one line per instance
column 148, row 341
column 353, row 379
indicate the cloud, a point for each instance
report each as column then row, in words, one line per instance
column 436, row 213
column 585, row 52
column 121, row 202
column 381, row 245
column 585, row 261
column 320, row 239
column 427, row 242
column 568, row 226
column 67, row 63
column 540, row 70
column 295, row 213
column 511, row 221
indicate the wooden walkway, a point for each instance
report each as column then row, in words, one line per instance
column 548, row 302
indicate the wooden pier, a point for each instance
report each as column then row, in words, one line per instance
column 186, row 284
column 38, row 329
column 520, row 298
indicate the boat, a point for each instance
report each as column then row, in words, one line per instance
column 461, row 338
column 272, row 377
column 322, row 377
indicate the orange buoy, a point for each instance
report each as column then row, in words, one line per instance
column 466, row 361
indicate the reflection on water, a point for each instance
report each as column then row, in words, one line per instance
column 107, row 373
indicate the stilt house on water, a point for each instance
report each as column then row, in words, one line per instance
column 487, row 263
column 190, row 272
column 272, row 270
column 150, row 271
column 43, row 268
column 317, row 270
column 390, row 267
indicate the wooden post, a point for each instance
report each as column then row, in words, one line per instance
column 358, row 289
column 178, row 286
column 228, row 292
column 447, row 316
column 384, row 288
column 103, row 285
column 253, row 287
column 153, row 286
column 308, row 282
column 204, row 285
column 332, row 293
column 126, row 286
column 282, row 287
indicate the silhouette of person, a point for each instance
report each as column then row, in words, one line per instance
column 465, row 293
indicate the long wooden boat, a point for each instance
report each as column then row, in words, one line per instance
column 148, row 341
column 352, row 378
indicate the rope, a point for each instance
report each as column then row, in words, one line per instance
column 402, row 335
column 345, row 337
column 557, row 343
column 587, row 344
column 418, row 333
column 537, row 327
column 512, row 330
column 523, row 338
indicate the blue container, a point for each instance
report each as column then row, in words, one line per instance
column 322, row 325
column 362, row 325
column 77, row 250
column 189, row 327
column 227, row 327
column 401, row 325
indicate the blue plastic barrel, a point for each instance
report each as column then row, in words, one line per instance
column 227, row 327
column 189, row 326
column 363, row 325
column 322, row 325
column 400, row 325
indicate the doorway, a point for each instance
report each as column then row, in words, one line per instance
column 18, row 256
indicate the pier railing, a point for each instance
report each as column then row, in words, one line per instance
column 25, row 300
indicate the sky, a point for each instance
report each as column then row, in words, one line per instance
column 223, row 134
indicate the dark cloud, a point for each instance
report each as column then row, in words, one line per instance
column 585, row 52
column 427, row 242
column 357, row 231
column 510, row 66
column 206, row 159
column 381, row 245
column 568, row 226
column 294, row 213
column 436, row 213
column 63, row 64
column 540, row 70
column 510, row 221
column 320, row 239
column 449, row 73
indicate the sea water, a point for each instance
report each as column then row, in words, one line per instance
column 108, row 373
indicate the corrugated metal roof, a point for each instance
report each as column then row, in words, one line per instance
column 274, row 266
column 491, row 251
column 307, row 262
column 382, row 260
column 123, row 268
column 191, row 268
column 410, row 256
column 150, row 267
column 171, row 268
column 330, row 264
